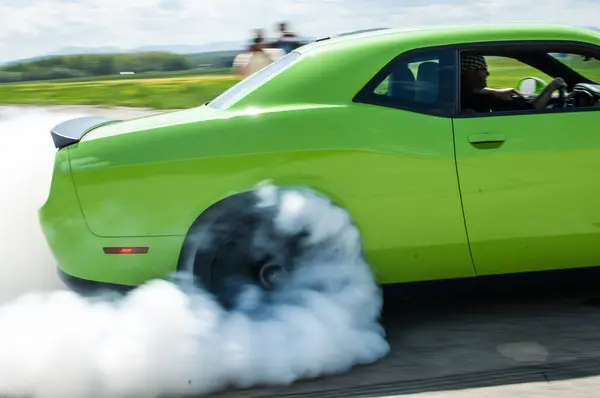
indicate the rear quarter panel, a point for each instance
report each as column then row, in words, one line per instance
column 399, row 184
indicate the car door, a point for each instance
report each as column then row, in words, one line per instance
column 409, row 210
column 529, row 182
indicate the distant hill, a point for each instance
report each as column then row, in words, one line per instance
column 220, row 46
column 74, row 50
column 224, row 46
column 175, row 48
column 200, row 48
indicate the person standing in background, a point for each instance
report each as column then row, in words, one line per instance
column 259, row 35
column 287, row 40
column 256, row 57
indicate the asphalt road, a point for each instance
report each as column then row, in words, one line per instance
column 497, row 348
column 536, row 346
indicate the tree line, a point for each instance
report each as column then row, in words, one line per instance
column 90, row 65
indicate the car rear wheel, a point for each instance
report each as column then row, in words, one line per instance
column 235, row 247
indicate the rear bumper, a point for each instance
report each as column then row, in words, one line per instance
column 85, row 287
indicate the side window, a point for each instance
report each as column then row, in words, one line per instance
column 506, row 72
column 420, row 81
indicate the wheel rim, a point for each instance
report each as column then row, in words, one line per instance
column 271, row 275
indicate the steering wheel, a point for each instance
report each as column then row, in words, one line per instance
column 562, row 95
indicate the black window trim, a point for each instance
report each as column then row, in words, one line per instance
column 365, row 94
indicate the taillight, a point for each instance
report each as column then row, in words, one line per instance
column 126, row 250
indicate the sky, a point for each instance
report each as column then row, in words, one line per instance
column 31, row 28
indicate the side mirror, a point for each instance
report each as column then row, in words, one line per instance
column 531, row 85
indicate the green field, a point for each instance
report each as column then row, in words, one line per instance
column 158, row 93
column 185, row 89
column 138, row 76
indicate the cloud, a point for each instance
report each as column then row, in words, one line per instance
column 35, row 27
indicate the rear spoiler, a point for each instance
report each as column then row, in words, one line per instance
column 71, row 131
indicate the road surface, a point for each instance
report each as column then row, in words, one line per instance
column 500, row 348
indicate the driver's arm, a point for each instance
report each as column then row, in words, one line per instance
column 543, row 98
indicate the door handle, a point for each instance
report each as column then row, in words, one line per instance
column 484, row 138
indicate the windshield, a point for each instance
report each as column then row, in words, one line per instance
column 251, row 82
column 586, row 66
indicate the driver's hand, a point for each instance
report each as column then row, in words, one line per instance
column 558, row 83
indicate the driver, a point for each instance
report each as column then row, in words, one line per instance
column 476, row 97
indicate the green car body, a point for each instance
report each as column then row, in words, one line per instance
column 435, row 194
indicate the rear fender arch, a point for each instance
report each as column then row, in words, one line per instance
column 199, row 240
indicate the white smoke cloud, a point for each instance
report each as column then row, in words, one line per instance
column 168, row 338
column 26, row 166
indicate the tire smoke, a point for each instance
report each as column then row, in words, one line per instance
column 170, row 337
column 26, row 166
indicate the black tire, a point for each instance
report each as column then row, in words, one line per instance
column 232, row 243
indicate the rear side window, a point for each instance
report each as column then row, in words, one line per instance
column 237, row 91
column 422, row 82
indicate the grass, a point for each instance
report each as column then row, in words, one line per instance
column 157, row 93
column 187, row 89
column 140, row 76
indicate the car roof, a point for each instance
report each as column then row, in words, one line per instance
column 460, row 33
